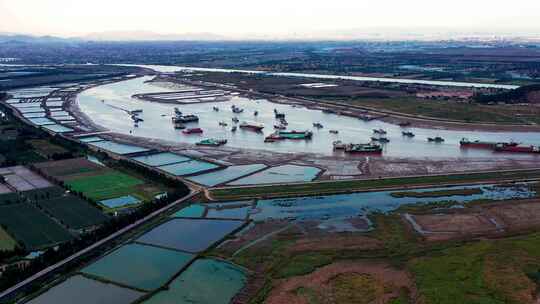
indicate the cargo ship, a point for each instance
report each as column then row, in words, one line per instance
column 363, row 148
column 193, row 131
column 185, row 118
column 252, row 126
column 293, row 135
column 212, row 142
column 517, row 148
column 466, row 143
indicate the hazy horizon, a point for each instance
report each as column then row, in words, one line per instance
column 243, row 19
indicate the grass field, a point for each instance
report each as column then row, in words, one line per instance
column 7, row 243
column 362, row 185
column 31, row 227
column 104, row 186
column 73, row 211
column 440, row 193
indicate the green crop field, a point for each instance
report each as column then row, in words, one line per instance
column 31, row 227
column 73, row 211
column 108, row 185
column 6, row 242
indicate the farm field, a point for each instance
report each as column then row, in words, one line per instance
column 73, row 211
column 31, row 227
column 97, row 182
column 104, row 186
column 46, row 148
column 63, row 169
column 7, row 243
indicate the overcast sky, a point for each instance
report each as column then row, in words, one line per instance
column 273, row 17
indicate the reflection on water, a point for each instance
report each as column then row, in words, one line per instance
column 157, row 124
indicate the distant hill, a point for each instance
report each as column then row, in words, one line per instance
column 21, row 38
column 150, row 36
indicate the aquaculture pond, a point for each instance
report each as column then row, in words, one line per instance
column 120, row 201
column 161, row 159
column 336, row 211
column 188, row 168
column 41, row 121
column 81, row 290
column 280, row 174
column 222, row 176
column 230, row 210
column 206, row 281
column 117, row 148
column 139, row 266
column 195, row 210
column 89, row 139
column 191, row 235
column 58, row 128
column 157, row 124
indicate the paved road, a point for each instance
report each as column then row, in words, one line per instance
column 52, row 268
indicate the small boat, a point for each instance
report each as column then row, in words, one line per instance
column 234, row 128
column 236, row 109
column 256, row 113
column 339, row 145
column 283, row 122
column 278, row 114
column 235, row 120
column 252, row 126
column 177, row 112
column 216, row 109
column 383, row 140
column 295, row 134
column 137, row 111
column 179, row 125
column 379, row 131
column 193, row 131
column 212, row 142
column 407, row 134
column 223, row 124
column 318, row 125
column 334, row 131
column 280, row 127
column 437, row 139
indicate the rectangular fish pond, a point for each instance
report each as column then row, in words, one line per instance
column 206, row 281
column 81, row 290
column 89, row 139
column 195, row 210
column 161, row 159
column 120, row 201
column 191, row 235
column 188, row 168
column 117, row 148
column 41, row 121
column 58, row 128
column 280, row 174
column 139, row 266
column 222, row 176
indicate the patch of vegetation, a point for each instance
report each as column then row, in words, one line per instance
column 356, row 288
column 104, row 186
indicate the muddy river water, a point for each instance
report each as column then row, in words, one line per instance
column 103, row 105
